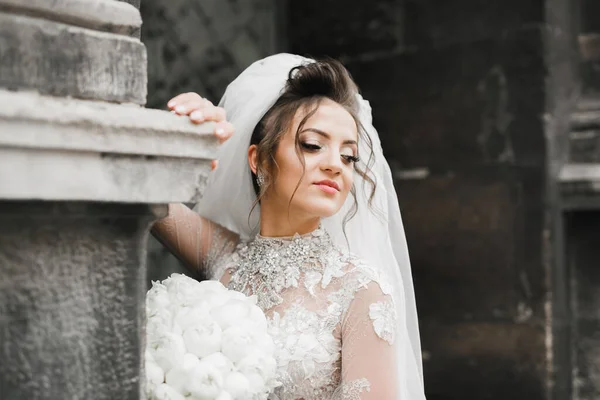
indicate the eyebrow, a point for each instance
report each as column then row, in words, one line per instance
column 327, row 136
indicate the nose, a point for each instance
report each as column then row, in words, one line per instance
column 332, row 162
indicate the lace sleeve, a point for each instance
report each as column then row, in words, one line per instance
column 368, row 347
column 197, row 242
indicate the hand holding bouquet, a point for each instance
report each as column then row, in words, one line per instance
column 205, row 342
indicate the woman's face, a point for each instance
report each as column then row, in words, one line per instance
column 328, row 143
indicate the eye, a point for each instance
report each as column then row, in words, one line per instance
column 350, row 159
column 310, row 146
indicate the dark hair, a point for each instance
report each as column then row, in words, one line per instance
column 307, row 85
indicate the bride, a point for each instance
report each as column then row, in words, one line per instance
column 301, row 212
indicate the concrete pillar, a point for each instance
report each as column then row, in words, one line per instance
column 84, row 169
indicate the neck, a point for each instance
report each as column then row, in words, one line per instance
column 281, row 223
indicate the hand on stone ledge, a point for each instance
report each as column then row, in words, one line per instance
column 202, row 110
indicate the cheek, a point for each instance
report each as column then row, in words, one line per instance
column 348, row 180
column 289, row 172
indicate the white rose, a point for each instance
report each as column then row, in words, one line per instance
column 237, row 385
column 256, row 363
column 258, row 317
column 154, row 373
column 264, row 342
column 235, row 295
column 224, row 396
column 212, row 299
column 231, row 313
column 179, row 376
column 211, row 285
column 157, row 326
column 182, row 289
column 192, row 316
column 206, row 381
column 157, row 298
column 236, row 343
column 169, row 351
column 257, row 383
column 220, row 362
column 166, row 392
column 203, row 339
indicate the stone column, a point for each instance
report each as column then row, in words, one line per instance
column 84, row 169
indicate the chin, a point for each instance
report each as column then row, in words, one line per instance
column 323, row 210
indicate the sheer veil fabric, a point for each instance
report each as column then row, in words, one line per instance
column 375, row 234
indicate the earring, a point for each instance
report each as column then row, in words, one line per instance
column 260, row 179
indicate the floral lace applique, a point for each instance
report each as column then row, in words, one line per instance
column 383, row 315
column 306, row 286
column 308, row 355
column 270, row 265
column 352, row 390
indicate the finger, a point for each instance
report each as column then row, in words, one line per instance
column 188, row 107
column 214, row 164
column 191, row 107
column 223, row 131
column 215, row 114
column 183, row 98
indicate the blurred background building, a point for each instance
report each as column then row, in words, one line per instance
column 489, row 113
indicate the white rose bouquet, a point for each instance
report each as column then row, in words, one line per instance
column 205, row 342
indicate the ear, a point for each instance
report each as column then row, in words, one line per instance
column 252, row 157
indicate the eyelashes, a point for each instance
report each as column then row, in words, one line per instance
column 313, row 148
column 352, row 159
column 310, row 147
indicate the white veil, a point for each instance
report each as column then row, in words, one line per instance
column 377, row 238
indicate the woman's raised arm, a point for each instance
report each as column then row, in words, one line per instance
column 197, row 242
column 194, row 240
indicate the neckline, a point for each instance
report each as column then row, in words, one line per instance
column 266, row 266
column 318, row 232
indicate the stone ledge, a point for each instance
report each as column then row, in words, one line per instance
column 585, row 146
column 31, row 120
column 64, row 60
column 587, row 115
column 67, row 149
column 584, row 138
column 580, row 186
column 103, row 15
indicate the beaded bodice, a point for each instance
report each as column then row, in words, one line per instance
column 321, row 302
column 268, row 266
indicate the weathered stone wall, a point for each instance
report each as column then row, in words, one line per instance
column 461, row 101
column 69, row 274
column 76, row 48
column 200, row 46
column 82, row 176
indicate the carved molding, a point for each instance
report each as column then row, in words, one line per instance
column 66, row 149
column 59, row 59
column 103, row 15
column 580, row 177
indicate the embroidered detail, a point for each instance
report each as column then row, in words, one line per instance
column 308, row 355
column 383, row 315
column 311, row 279
column 270, row 265
column 352, row 390
column 306, row 285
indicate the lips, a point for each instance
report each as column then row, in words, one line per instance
column 328, row 186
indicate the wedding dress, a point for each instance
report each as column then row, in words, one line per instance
column 330, row 314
